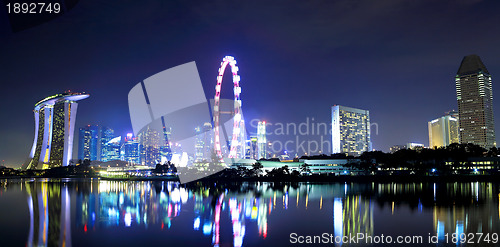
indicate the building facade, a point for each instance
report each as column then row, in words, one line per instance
column 105, row 150
column 89, row 144
column 475, row 103
column 54, row 128
column 150, row 143
column 92, row 142
column 443, row 131
column 204, row 143
column 111, row 149
column 350, row 130
column 130, row 149
column 261, row 140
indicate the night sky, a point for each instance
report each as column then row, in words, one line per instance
column 395, row 58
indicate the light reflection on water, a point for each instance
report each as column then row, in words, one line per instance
column 82, row 212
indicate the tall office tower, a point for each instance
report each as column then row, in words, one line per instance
column 253, row 147
column 261, row 140
column 243, row 137
column 475, row 103
column 54, row 127
column 204, row 143
column 248, row 149
column 350, row 130
column 444, row 130
column 198, row 145
column 84, row 143
column 89, row 143
column 149, row 145
column 111, row 149
column 106, row 135
column 130, row 149
column 166, row 149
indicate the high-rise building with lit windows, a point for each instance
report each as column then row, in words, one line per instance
column 475, row 103
column 204, row 143
column 111, row 149
column 107, row 149
column 92, row 142
column 55, row 118
column 350, row 130
column 443, row 131
column 150, row 142
column 261, row 140
column 89, row 145
column 130, row 149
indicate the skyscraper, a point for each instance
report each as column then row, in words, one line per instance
column 130, row 149
column 261, row 140
column 204, row 143
column 443, row 131
column 89, row 144
column 111, row 149
column 92, row 142
column 149, row 145
column 253, row 147
column 350, row 130
column 54, row 127
column 106, row 135
column 475, row 103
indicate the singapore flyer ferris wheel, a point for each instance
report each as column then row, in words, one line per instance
column 237, row 115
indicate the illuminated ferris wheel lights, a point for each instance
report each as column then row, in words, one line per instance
column 235, row 69
column 237, row 107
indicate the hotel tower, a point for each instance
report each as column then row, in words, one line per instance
column 54, row 127
column 350, row 130
column 475, row 103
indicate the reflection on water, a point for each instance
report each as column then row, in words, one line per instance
column 50, row 220
column 474, row 209
column 234, row 214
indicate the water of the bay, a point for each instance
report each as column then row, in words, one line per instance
column 93, row 212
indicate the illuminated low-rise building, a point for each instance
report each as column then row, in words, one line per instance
column 396, row 148
column 55, row 118
column 414, row 146
column 350, row 130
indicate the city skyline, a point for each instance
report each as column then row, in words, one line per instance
column 371, row 56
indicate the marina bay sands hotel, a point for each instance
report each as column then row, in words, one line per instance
column 54, row 127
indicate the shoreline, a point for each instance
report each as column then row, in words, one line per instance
column 286, row 179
